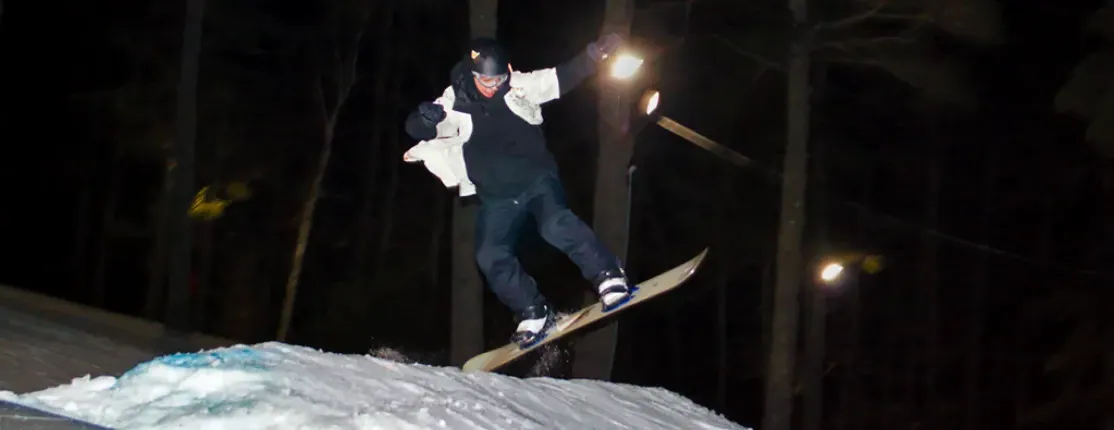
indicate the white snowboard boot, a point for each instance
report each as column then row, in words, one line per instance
column 533, row 324
column 613, row 287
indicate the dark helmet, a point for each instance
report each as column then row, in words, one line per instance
column 488, row 57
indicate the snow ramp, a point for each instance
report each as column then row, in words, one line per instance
column 46, row 341
column 279, row 386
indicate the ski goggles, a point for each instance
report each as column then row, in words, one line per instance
column 490, row 81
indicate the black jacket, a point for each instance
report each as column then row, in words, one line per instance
column 504, row 154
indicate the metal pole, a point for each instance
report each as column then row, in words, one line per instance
column 630, row 203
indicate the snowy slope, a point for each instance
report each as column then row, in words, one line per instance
column 279, row 386
column 45, row 341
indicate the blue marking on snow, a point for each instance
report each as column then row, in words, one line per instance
column 242, row 358
column 203, row 406
column 238, row 358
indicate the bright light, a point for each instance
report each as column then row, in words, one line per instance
column 831, row 272
column 649, row 102
column 625, row 66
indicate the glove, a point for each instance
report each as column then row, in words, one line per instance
column 605, row 46
column 432, row 113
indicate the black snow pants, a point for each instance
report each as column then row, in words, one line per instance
column 498, row 227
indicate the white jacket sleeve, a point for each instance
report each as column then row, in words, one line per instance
column 540, row 85
column 443, row 155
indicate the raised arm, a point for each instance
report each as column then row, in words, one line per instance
column 573, row 72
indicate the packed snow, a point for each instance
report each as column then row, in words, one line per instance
column 46, row 341
column 275, row 385
column 38, row 353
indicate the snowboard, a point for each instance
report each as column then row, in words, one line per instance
column 570, row 323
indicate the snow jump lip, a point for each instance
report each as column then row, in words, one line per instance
column 275, row 385
column 14, row 416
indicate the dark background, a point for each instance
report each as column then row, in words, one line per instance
column 1007, row 322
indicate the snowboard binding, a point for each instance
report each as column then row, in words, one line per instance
column 614, row 289
column 534, row 324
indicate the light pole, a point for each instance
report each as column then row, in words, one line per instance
column 624, row 68
column 648, row 108
column 831, row 270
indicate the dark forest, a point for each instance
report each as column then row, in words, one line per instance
column 235, row 168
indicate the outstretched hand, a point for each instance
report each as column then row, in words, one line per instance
column 606, row 45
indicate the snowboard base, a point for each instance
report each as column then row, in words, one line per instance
column 568, row 324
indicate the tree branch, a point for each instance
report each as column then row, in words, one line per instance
column 768, row 63
column 873, row 13
column 848, row 45
column 853, row 61
column 851, row 20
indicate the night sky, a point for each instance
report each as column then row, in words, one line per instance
column 82, row 164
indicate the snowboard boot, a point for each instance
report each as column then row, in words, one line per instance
column 613, row 288
column 533, row 325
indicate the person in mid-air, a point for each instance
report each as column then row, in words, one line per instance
column 484, row 136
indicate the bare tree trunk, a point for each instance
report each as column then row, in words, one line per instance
column 890, row 406
column 973, row 367
column 365, row 222
column 182, row 172
column 725, row 271
column 433, row 262
column 677, row 350
column 1021, row 391
column 440, row 210
column 204, row 276
column 930, row 249
column 816, row 317
column 81, row 239
column 850, row 397
column 786, row 312
column 305, row 225
column 467, row 327
column 344, row 79
column 386, row 214
column 815, row 351
column 1022, row 344
column 108, row 218
column 768, row 285
column 156, row 275
column 1108, row 377
column 440, row 222
column 595, row 352
column 724, row 364
column 381, row 87
column 851, row 390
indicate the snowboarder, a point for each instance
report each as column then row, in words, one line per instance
column 484, row 136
